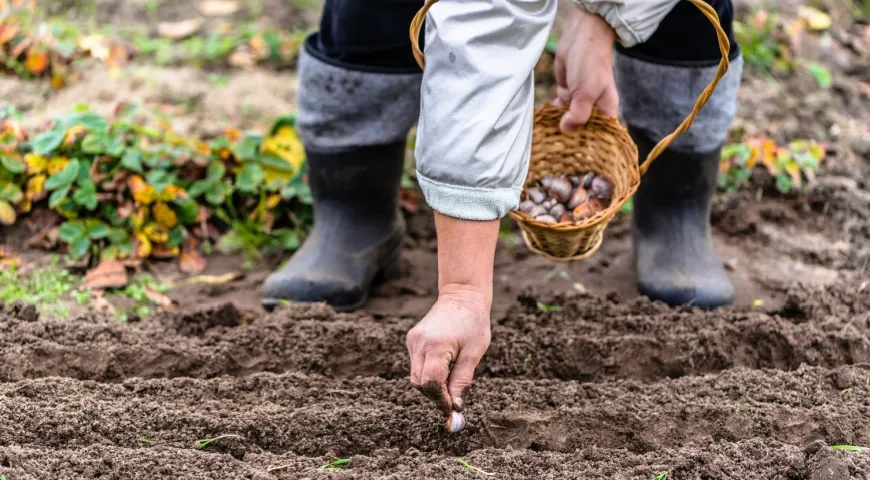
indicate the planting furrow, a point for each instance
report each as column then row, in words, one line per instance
column 311, row 415
column 756, row 458
column 313, row 339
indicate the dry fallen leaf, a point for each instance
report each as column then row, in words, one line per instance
column 99, row 303
column 179, row 30
column 816, row 19
column 191, row 260
column 108, row 274
column 218, row 8
column 159, row 299
column 215, row 279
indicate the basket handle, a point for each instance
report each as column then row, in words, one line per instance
column 724, row 47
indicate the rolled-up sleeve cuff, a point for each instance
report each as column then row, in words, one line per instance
column 469, row 203
column 633, row 22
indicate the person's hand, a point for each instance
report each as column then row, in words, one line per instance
column 456, row 330
column 584, row 70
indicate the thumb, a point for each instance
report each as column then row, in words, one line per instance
column 461, row 376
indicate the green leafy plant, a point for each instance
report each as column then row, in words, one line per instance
column 473, row 468
column 134, row 190
column 849, row 448
column 44, row 287
column 791, row 166
column 208, row 441
column 662, row 476
column 549, row 308
column 335, row 465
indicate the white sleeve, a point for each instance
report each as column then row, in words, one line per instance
column 633, row 20
column 475, row 125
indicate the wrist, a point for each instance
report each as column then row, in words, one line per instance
column 477, row 298
column 593, row 23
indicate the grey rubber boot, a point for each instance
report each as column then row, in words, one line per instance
column 673, row 243
column 358, row 229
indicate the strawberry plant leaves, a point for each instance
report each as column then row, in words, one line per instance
column 79, row 247
column 187, row 210
column 11, row 192
column 71, row 231
column 199, row 187
column 14, row 165
column 250, row 177
column 215, row 172
column 97, row 230
column 64, row 177
column 58, row 196
column 217, row 194
column 86, row 195
column 95, row 143
column 47, row 142
column 246, row 148
column 176, row 237
column 90, row 120
column 132, row 160
column 119, row 235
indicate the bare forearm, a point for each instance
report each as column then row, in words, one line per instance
column 466, row 254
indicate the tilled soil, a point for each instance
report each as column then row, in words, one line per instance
column 604, row 389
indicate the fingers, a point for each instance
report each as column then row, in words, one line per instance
column 433, row 380
column 609, row 102
column 461, row 376
column 559, row 70
column 417, row 358
column 578, row 113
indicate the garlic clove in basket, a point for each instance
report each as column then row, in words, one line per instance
column 547, row 181
column 546, row 218
column 566, row 217
column 601, row 187
column 526, row 206
column 537, row 211
column 536, row 195
column 557, row 210
column 576, row 180
column 579, row 196
column 549, row 203
column 585, row 210
column 587, row 180
column 560, row 189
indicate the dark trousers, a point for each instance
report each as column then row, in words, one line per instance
column 373, row 35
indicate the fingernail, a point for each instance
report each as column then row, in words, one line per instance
column 458, row 404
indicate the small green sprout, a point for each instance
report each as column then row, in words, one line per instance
column 208, row 441
column 335, row 466
column 528, row 358
column 549, row 308
column 847, row 389
column 662, row 476
column 472, row 468
column 849, row 448
column 144, row 441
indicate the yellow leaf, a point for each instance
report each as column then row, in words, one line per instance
column 164, row 215
column 143, row 193
column 37, row 61
column 156, row 232
column 171, row 193
column 273, row 201
column 57, row 164
column 137, row 219
column 816, row 19
column 35, row 188
column 163, row 252
column 74, row 133
column 7, row 213
column 141, row 245
column 25, row 206
column 287, row 145
column 35, row 163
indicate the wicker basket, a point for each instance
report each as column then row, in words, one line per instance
column 602, row 146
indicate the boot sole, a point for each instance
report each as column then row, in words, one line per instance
column 387, row 272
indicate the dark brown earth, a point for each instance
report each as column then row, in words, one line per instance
column 612, row 387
